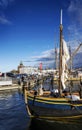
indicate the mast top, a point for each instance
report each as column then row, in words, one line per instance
column 61, row 18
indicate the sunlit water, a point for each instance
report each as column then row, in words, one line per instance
column 13, row 116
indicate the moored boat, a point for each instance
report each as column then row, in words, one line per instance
column 49, row 107
column 58, row 103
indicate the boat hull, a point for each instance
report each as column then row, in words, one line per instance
column 52, row 108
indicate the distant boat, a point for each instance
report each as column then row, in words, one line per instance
column 5, row 81
column 63, row 104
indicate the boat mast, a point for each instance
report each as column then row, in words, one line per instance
column 60, row 54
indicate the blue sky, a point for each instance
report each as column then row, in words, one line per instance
column 29, row 30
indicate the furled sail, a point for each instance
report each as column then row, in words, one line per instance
column 65, row 58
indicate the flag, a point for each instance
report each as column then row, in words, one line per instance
column 65, row 58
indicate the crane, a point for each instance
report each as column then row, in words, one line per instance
column 73, row 54
column 76, row 50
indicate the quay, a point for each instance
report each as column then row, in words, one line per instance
column 9, row 87
column 7, row 83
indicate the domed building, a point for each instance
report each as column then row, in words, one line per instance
column 20, row 66
column 26, row 69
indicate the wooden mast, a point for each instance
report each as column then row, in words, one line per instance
column 60, row 54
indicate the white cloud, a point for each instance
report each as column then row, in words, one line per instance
column 47, row 58
column 75, row 29
column 3, row 6
column 5, row 3
column 73, row 6
column 3, row 20
column 75, row 10
column 49, row 54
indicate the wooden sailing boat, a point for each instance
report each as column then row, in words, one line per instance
column 45, row 106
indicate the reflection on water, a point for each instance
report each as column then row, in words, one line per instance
column 37, row 124
column 13, row 116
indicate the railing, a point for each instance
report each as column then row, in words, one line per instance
column 5, row 79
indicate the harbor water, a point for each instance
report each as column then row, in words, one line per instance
column 13, row 116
